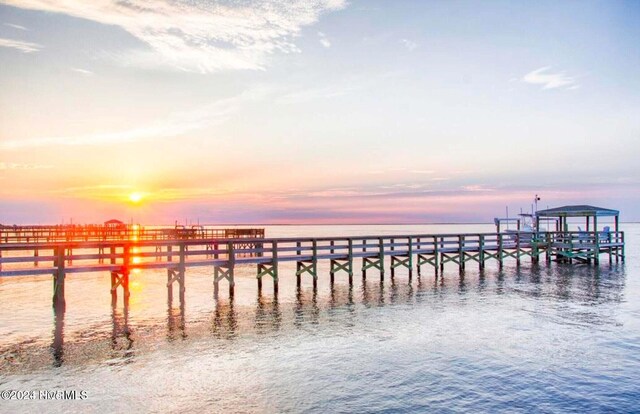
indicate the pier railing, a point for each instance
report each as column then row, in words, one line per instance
column 141, row 253
column 122, row 257
column 72, row 233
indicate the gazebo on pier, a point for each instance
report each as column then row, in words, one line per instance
column 590, row 213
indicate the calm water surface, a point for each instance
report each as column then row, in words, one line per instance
column 547, row 338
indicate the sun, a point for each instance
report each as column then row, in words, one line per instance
column 136, row 197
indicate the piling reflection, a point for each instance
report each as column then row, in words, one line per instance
column 306, row 307
column 176, row 324
column 569, row 293
column 268, row 317
column 373, row 293
column 121, row 336
column 57, row 347
column 224, row 323
column 341, row 295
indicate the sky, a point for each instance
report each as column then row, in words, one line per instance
column 316, row 111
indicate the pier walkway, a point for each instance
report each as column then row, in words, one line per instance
column 223, row 255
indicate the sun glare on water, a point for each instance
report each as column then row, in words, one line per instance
column 135, row 197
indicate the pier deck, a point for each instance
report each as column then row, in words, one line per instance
column 121, row 257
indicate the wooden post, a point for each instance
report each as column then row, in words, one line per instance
column 461, row 252
column 350, row 259
column 114, row 292
column 298, row 266
column 500, row 249
column 126, row 271
column 596, row 253
column 364, row 269
column 182, row 269
column 435, row 255
column 275, row 267
column 226, row 271
column 481, row 251
column 59, row 302
column 441, row 255
column 315, row 263
column 232, row 264
column 381, row 257
column 410, row 263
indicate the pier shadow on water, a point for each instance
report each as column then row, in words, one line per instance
column 566, row 293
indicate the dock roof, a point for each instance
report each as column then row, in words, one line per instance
column 577, row 211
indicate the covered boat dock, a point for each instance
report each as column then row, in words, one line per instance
column 590, row 214
column 587, row 244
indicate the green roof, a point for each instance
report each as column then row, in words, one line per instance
column 577, row 211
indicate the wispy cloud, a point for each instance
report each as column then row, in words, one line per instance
column 550, row 80
column 200, row 36
column 82, row 71
column 323, row 40
column 341, row 87
column 16, row 26
column 24, row 47
column 305, row 95
column 409, row 44
column 175, row 125
column 19, row 166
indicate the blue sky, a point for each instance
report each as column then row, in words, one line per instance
column 316, row 111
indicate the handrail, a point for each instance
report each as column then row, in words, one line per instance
column 92, row 255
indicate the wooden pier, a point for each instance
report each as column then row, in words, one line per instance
column 345, row 255
column 100, row 232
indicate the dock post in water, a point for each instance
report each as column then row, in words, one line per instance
column 58, row 279
column 405, row 260
column 307, row 266
column 500, row 249
column 481, row 251
column 177, row 274
column 343, row 263
column 121, row 278
column 225, row 272
column 461, row 253
column 270, row 269
column 375, row 262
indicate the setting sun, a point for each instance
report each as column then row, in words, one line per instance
column 135, row 197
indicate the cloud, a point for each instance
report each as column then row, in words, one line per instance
column 341, row 87
column 410, row 45
column 18, row 166
column 328, row 92
column 323, row 40
column 549, row 80
column 477, row 188
column 199, row 36
column 16, row 26
column 24, row 47
column 174, row 125
column 82, row 71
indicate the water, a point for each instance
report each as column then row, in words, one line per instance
column 548, row 338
